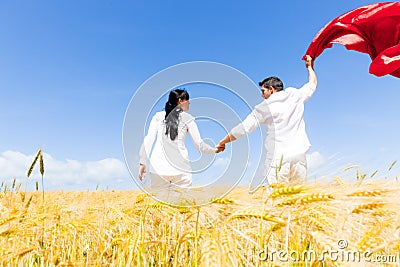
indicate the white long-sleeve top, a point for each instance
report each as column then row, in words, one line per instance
column 282, row 114
column 170, row 157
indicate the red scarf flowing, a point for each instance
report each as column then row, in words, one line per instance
column 373, row 29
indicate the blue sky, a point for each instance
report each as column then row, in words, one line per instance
column 68, row 70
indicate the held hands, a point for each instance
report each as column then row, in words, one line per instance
column 220, row 147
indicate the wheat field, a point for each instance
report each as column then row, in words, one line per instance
column 315, row 224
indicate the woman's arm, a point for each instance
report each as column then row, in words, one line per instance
column 197, row 141
column 146, row 146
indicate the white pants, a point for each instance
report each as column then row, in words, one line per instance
column 165, row 182
column 171, row 189
column 293, row 170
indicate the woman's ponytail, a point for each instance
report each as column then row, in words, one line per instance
column 172, row 111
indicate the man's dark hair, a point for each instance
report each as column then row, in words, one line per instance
column 275, row 82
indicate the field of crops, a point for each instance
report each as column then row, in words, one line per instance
column 327, row 224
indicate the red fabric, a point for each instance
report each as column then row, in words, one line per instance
column 373, row 29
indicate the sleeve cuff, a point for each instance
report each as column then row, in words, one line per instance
column 238, row 131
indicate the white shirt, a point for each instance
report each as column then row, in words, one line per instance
column 170, row 157
column 282, row 114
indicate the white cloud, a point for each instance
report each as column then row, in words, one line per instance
column 66, row 174
column 221, row 162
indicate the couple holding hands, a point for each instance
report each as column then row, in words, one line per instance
column 281, row 112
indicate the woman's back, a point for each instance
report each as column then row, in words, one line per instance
column 170, row 157
column 169, row 160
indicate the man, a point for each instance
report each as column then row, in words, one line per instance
column 282, row 114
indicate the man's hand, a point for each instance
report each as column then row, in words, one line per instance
column 142, row 172
column 309, row 61
column 312, row 77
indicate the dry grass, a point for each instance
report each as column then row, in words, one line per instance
column 127, row 228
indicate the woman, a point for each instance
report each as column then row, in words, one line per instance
column 169, row 161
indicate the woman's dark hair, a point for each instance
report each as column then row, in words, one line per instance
column 172, row 111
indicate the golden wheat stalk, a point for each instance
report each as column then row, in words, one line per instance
column 140, row 198
column 253, row 213
column 373, row 174
column 159, row 205
column 24, row 252
column 29, row 202
column 211, row 253
column 367, row 207
column 371, row 193
column 34, row 162
column 6, row 220
column 392, row 165
column 288, row 190
column 41, row 164
column 276, row 185
column 289, row 202
column 223, row 200
column 371, row 238
column 316, row 197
